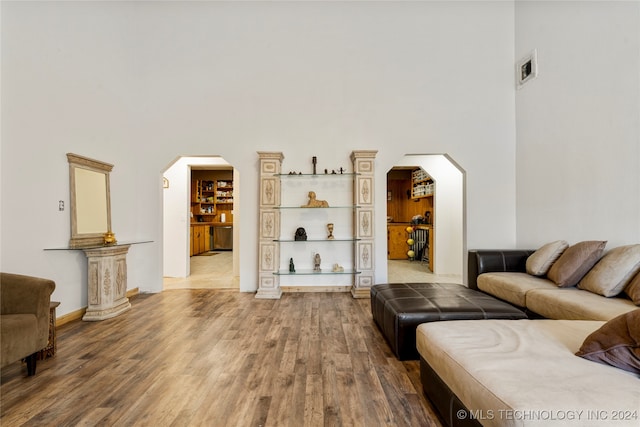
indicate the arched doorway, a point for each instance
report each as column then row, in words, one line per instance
column 200, row 206
column 448, row 214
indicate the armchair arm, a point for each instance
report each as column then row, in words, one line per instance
column 495, row 260
column 25, row 294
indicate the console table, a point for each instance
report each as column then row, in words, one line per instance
column 106, row 281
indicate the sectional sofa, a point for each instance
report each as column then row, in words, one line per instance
column 575, row 361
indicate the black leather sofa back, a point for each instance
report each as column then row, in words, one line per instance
column 494, row 260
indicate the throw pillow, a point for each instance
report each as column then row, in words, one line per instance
column 575, row 262
column 616, row 343
column 633, row 289
column 613, row 272
column 540, row 261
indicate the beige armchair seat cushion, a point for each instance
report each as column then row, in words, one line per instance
column 15, row 336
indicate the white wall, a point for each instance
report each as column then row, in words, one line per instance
column 137, row 84
column 578, row 123
column 177, row 215
column 449, row 247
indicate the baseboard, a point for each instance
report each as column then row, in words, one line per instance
column 70, row 317
column 361, row 292
column 315, row 288
column 79, row 314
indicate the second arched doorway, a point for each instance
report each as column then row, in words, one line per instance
column 445, row 202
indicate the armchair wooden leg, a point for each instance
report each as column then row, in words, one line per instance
column 31, row 364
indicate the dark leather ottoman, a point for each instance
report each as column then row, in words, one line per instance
column 398, row 309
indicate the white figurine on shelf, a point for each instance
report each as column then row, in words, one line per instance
column 316, row 263
column 330, row 229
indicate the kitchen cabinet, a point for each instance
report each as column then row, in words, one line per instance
column 212, row 200
column 397, row 236
column 397, row 246
column 200, row 239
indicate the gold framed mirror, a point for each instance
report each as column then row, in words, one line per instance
column 90, row 200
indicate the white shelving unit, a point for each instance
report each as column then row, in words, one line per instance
column 336, row 190
column 346, row 260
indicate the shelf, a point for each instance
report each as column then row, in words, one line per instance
column 312, row 209
column 314, row 240
column 422, row 184
column 124, row 243
column 308, row 272
column 315, row 175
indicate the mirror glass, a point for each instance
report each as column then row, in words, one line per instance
column 90, row 200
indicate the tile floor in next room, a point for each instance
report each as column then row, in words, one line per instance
column 216, row 272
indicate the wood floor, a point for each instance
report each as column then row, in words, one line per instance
column 221, row 358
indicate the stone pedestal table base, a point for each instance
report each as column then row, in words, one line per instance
column 107, row 282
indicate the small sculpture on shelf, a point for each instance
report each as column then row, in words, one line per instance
column 337, row 268
column 301, row 234
column 316, row 263
column 315, row 203
column 292, row 267
column 330, row 229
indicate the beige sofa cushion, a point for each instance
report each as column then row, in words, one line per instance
column 575, row 262
column 502, row 368
column 613, row 272
column 512, row 287
column 540, row 261
column 576, row 304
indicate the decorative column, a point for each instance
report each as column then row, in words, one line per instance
column 363, row 221
column 268, row 248
column 107, row 281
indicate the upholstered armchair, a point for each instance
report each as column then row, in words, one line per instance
column 24, row 318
